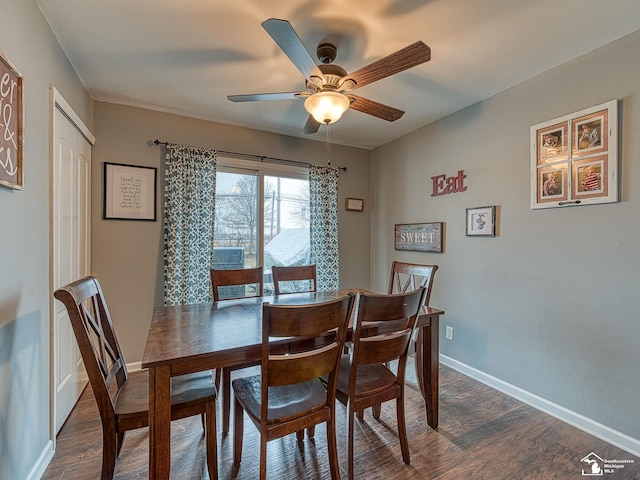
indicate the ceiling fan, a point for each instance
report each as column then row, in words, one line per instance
column 328, row 86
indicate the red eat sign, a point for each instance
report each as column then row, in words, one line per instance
column 443, row 185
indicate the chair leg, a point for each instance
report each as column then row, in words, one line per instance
column 120, row 441
column 263, row 456
column 211, row 436
column 350, row 443
column 311, row 431
column 375, row 411
column 109, row 452
column 226, row 399
column 334, row 465
column 238, row 432
column 402, row 430
column 217, row 375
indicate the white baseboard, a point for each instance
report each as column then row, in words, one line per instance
column 588, row 425
column 41, row 464
column 134, row 367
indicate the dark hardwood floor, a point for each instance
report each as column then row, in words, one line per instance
column 482, row 435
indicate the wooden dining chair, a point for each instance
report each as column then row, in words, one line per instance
column 289, row 396
column 298, row 278
column 303, row 275
column 404, row 278
column 231, row 285
column 244, row 279
column 123, row 397
column 382, row 332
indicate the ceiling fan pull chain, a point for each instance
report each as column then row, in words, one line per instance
column 328, row 145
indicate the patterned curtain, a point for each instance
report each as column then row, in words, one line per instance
column 189, row 205
column 323, row 187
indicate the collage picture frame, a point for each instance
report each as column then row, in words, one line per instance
column 574, row 158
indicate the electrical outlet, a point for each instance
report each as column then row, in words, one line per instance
column 449, row 333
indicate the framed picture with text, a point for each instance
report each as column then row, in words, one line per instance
column 419, row 237
column 12, row 125
column 354, row 204
column 129, row 192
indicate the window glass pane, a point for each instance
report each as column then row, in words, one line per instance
column 235, row 238
column 286, row 225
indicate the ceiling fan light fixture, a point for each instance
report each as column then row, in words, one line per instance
column 327, row 107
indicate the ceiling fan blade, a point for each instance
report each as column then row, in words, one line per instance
column 403, row 59
column 385, row 112
column 311, row 126
column 289, row 42
column 253, row 97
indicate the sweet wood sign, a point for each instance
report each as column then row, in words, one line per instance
column 420, row 237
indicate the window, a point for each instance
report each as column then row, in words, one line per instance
column 261, row 216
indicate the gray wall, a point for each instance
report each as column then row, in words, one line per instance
column 27, row 41
column 127, row 255
column 550, row 305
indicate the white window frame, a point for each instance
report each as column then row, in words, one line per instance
column 261, row 169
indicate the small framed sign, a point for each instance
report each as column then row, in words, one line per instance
column 354, row 204
column 129, row 192
column 481, row 222
column 420, row 237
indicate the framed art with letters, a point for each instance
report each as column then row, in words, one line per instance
column 11, row 125
column 420, row 237
column 129, row 192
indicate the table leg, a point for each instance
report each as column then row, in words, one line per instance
column 159, row 423
column 428, row 373
column 419, row 363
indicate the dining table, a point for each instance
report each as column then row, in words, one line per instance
column 189, row 338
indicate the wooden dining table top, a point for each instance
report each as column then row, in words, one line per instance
column 223, row 333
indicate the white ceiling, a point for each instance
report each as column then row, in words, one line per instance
column 186, row 56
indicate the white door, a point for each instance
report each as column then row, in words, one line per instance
column 71, row 242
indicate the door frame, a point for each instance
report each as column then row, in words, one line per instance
column 57, row 102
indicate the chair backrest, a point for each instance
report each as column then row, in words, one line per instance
column 303, row 275
column 383, row 327
column 240, row 278
column 410, row 276
column 97, row 341
column 322, row 326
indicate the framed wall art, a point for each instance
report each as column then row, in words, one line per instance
column 481, row 222
column 129, row 192
column 354, row 204
column 419, row 237
column 574, row 158
column 11, row 125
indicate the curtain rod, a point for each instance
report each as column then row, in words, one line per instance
column 258, row 157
